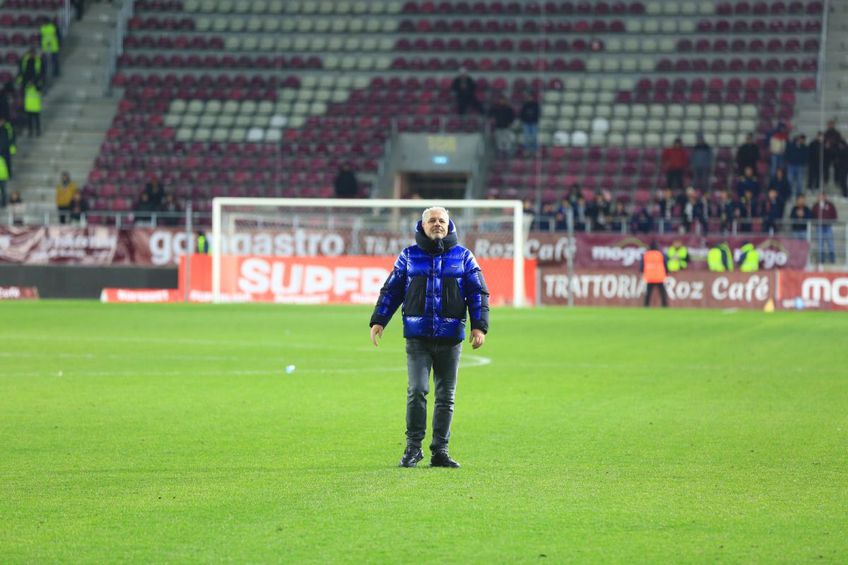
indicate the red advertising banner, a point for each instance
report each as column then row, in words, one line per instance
column 164, row 246
column 325, row 280
column 18, row 293
column 689, row 289
column 825, row 291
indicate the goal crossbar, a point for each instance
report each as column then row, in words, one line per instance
column 219, row 203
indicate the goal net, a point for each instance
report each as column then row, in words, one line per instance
column 308, row 250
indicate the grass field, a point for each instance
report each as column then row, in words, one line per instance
column 171, row 433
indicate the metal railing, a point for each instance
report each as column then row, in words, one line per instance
column 116, row 49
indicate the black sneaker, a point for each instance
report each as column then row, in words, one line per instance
column 442, row 459
column 411, row 457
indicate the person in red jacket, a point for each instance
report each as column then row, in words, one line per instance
column 824, row 213
column 675, row 162
column 654, row 272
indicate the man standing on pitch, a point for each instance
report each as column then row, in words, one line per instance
column 438, row 281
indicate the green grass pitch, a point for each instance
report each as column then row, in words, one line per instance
column 171, row 433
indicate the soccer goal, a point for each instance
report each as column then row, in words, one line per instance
column 322, row 250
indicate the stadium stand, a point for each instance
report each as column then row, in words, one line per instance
column 266, row 97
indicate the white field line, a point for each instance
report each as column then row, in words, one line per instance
column 467, row 362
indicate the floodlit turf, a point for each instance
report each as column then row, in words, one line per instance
column 173, row 434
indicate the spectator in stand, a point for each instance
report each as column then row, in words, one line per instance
column 581, row 218
column 777, row 147
column 619, row 217
column 800, row 215
column 530, row 215
column 772, row 212
column 642, row 222
column 155, row 192
column 748, row 182
column 675, row 162
column 695, row 210
column 797, row 156
column 529, row 116
column 503, row 117
column 7, row 143
column 824, row 213
column 840, row 166
column 780, row 184
column 814, row 156
column 465, row 91
column 727, row 211
column 599, row 210
column 171, row 209
column 748, row 211
column 662, row 204
column 574, row 192
column 830, row 142
column 748, row 155
column 78, row 208
column 65, row 191
column 32, row 109
column 345, row 184
column 702, row 164
column 17, row 208
column 144, row 209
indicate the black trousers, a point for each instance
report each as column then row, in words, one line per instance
column 422, row 357
column 650, row 290
column 34, row 122
column 463, row 103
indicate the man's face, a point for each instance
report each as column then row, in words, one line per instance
column 436, row 225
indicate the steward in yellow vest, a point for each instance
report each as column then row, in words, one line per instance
column 50, row 44
column 678, row 257
column 720, row 258
column 749, row 261
column 32, row 108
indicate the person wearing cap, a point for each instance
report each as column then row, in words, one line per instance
column 440, row 286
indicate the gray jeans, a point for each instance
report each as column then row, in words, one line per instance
column 443, row 358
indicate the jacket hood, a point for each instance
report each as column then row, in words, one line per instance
column 435, row 246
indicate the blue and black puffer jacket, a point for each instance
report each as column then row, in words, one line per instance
column 438, row 282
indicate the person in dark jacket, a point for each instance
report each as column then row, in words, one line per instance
column 345, row 183
column 748, row 155
column 748, row 182
column 465, row 90
column 780, row 184
column 702, row 164
column 772, row 212
column 797, row 155
column 503, row 117
column 529, row 116
column 155, row 192
column 438, row 282
column 800, row 215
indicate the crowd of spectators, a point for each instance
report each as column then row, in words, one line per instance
column 155, row 205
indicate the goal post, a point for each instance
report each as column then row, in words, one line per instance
column 292, row 224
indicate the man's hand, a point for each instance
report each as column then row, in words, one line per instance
column 376, row 332
column 477, row 338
